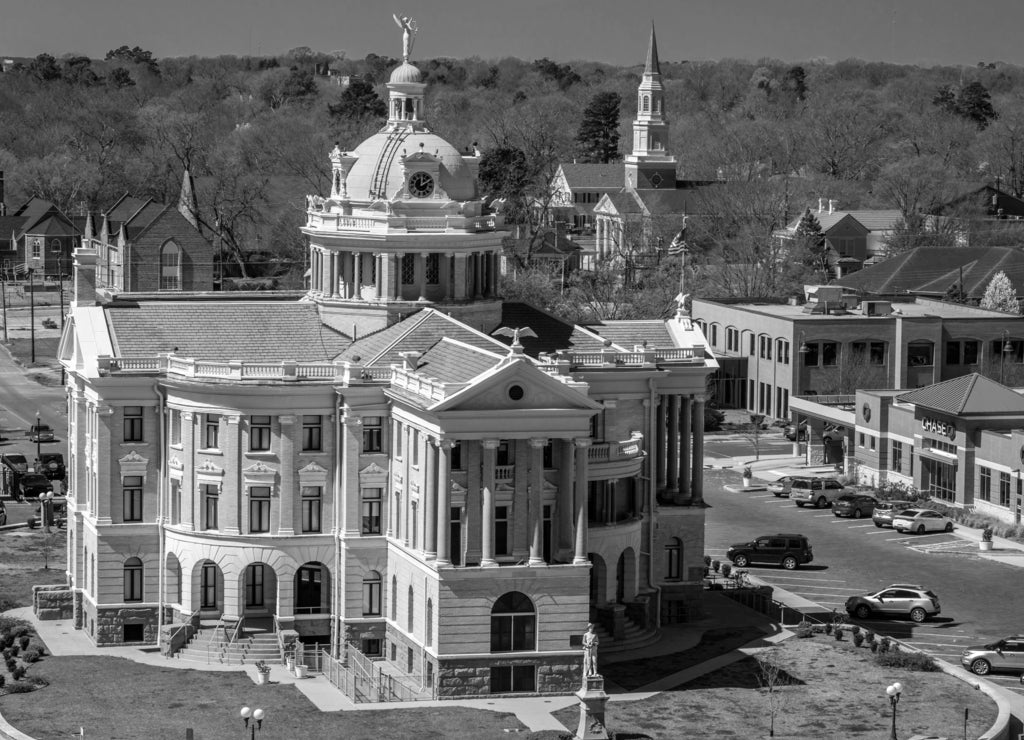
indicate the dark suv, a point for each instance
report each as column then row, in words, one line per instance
column 788, row 550
column 51, row 464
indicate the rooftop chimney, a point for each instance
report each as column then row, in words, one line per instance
column 831, row 205
column 820, row 204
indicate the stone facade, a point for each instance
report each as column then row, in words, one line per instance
column 53, row 602
column 472, row 677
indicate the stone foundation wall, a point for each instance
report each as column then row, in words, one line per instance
column 314, row 627
column 681, row 603
column 456, row 679
column 53, row 602
column 110, row 624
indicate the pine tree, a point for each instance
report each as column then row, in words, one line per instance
column 597, row 139
column 812, row 241
column 1000, row 295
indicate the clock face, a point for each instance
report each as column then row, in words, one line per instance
column 421, row 184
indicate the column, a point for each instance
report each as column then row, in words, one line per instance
column 396, row 261
column 487, row 560
column 421, row 273
column 378, row 284
column 535, row 504
column 685, row 422
column 565, row 498
column 659, row 446
column 105, row 487
column 430, row 500
column 478, row 275
column 231, row 493
column 672, row 457
column 348, row 493
column 290, row 493
column 357, row 275
column 697, row 482
column 449, row 275
column 582, row 465
column 495, row 269
column 444, row 510
column 459, row 278
column 334, row 264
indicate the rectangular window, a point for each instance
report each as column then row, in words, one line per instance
column 371, row 597
column 211, row 499
column 311, row 504
column 952, row 353
column 414, row 525
column 433, row 268
column 415, row 444
column 312, row 433
column 896, row 464
column 860, row 442
column 919, row 354
column 37, row 249
column 714, row 335
column 1004, row 489
column 211, row 432
column 456, row 456
column 811, row 355
column 259, row 509
column 501, row 543
column 750, row 345
column 971, row 347
column 871, row 441
column 132, row 423
column 372, row 647
column 782, row 351
column 399, row 440
column 408, row 269
column 373, row 433
column 371, row 505
column 133, row 583
column 175, row 423
column 132, row 497
column 985, row 484
column 548, row 456
column 259, row 433
column 829, row 354
column 508, row 679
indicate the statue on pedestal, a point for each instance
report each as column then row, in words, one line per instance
column 409, row 28
column 590, row 642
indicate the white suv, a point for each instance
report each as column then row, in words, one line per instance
column 820, row 492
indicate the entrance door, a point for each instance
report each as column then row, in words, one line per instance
column 307, row 599
column 208, row 586
column 254, row 585
column 620, row 580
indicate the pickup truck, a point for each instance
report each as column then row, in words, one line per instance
column 819, row 492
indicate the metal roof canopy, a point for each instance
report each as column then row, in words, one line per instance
column 833, row 412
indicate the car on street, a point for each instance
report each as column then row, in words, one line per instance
column 51, row 464
column 40, row 433
column 886, row 510
column 781, row 486
column 1002, row 655
column 32, row 485
column 60, row 514
column 3, row 514
column 788, row 550
column 796, row 432
column 17, row 463
column 819, row 492
column 920, row 521
column 856, row 505
column 897, row 599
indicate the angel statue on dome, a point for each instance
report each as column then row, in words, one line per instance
column 409, row 28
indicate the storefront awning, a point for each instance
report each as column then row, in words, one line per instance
column 938, row 457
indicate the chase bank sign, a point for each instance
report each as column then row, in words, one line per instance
column 936, row 426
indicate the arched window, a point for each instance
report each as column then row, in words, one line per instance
column 394, row 599
column 646, row 106
column 430, row 622
column 170, row 266
column 371, row 594
column 513, row 624
column 409, row 609
column 309, row 589
column 133, row 579
column 674, row 559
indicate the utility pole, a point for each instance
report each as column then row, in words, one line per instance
column 32, row 312
column 3, row 303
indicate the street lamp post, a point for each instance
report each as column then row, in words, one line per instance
column 893, row 692
column 46, row 510
column 32, row 313
column 37, row 438
column 256, row 715
column 1007, row 350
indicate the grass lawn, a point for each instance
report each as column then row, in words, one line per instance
column 22, row 557
column 835, row 690
column 117, row 698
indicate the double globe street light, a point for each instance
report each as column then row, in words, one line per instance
column 256, row 715
column 893, row 692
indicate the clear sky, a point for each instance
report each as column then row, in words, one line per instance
column 613, row 31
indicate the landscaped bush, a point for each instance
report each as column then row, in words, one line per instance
column 726, row 569
column 18, row 672
column 801, row 631
column 3, row 680
column 828, row 628
column 911, row 661
column 707, row 561
column 980, row 521
column 11, row 664
column 20, row 687
column 24, row 641
column 839, row 633
column 15, row 650
column 30, row 656
column 855, row 629
column 874, row 646
column 858, row 639
column 869, row 637
column 715, row 565
column 883, row 644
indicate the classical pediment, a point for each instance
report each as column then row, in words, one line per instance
column 133, row 464
column 517, row 385
column 260, row 472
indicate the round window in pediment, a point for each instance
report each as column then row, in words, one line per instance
column 421, row 184
column 657, row 179
column 516, row 392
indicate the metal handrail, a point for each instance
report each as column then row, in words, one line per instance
column 170, row 638
column 226, row 649
column 209, row 643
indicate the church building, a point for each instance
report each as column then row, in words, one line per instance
column 396, row 465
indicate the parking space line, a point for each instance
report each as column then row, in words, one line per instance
column 881, row 531
column 781, row 577
column 861, row 526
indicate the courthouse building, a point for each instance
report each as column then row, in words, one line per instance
column 395, row 463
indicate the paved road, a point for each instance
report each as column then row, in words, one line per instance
column 734, row 445
column 981, row 599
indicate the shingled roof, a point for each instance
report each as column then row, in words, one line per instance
column 966, row 395
column 455, row 362
column 552, row 333
column 932, row 270
column 627, row 334
column 249, row 331
column 594, row 176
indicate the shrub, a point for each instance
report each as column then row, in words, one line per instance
column 20, row 687
column 15, row 649
column 801, row 631
column 7, row 653
column 869, row 636
column 874, row 646
column 715, row 565
column 855, row 629
column 24, row 641
column 21, row 632
column 858, row 639
column 910, row 661
column 883, row 644
column 828, row 628
column 30, row 656
column 18, row 672
column 3, row 680
column 707, row 561
column 726, row 569
column 839, row 633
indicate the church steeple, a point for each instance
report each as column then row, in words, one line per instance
column 650, row 165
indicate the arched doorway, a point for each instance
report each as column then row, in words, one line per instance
column 625, row 576
column 598, row 581
column 259, row 589
column 172, row 580
column 312, row 589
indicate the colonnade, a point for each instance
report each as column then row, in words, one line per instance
column 609, row 234
column 383, row 276
column 679, row 444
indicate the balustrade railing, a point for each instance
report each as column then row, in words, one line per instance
column 601, row 452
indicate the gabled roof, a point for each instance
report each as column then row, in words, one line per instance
column 552, row 333
column 872, row 220
column 627, row 334
column 51, row 224
column 966, row 395
column 253, row 331
column 934, row 269
column 34, row 207
column 593, row 176
column 125, row 207
column 456, row 362
column 621, row 203
column 418, row 333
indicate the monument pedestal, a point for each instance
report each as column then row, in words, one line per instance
column 592, row 703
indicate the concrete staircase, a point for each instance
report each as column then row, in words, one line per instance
column 209, row 646
column 635, row 637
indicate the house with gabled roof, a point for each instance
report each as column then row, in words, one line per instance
column 853, row 237
column 37, row 236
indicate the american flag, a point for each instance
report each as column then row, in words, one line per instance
column 678, row 245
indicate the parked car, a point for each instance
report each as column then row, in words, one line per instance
column 3, row 514
column 788, row 550
column 920, row 521
column 897, row 599
column 40, row 433
column 795, row 432
column 51, row 464
column 886, row 510
column 818, row 491
column 856, row 505
column 781, row 486
column 34, row 484
column 17, row 463
column 1002, row 655
column 60, row 514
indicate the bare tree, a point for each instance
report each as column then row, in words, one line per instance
column 771, row 679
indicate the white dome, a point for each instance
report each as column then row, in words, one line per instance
column 406, row 73
column 456, row 178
